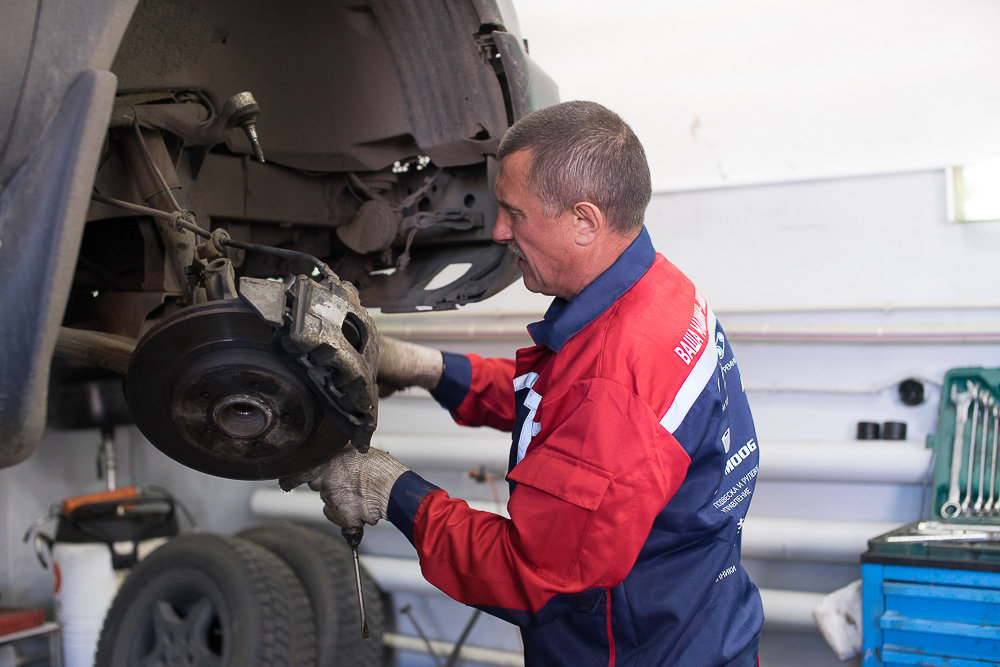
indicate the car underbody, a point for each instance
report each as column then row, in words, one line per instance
column 207, row 197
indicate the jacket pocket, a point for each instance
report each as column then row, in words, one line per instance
column 564, row 477
column 553, row 507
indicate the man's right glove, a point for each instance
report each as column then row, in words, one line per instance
column 402, row 364
column 354, row 487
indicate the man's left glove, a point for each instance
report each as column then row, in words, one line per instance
column 354, row 487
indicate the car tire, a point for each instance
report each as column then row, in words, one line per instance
column 209, row 600
column 325, row 565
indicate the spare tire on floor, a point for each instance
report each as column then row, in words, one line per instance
column 204, row 600
column 325, row 564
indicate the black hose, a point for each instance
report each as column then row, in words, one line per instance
column 283, row 252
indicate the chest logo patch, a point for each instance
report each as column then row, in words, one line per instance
column 525, row 427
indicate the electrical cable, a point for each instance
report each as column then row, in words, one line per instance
column 175, row 219
column 179, row 220
column 147, row 156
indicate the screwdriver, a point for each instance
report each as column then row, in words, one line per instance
column 353, row 537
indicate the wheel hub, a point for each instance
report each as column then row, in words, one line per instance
column 208, row 387
column 242, row 403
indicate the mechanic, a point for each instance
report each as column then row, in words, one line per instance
column 634, row 454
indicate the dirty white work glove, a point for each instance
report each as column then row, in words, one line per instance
column 354, row 487
column 402, row 364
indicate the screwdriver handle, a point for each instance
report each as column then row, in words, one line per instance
column 353, row 535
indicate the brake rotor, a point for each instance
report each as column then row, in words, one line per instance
column 208, row 389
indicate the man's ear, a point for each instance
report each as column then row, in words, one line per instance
column 588, row 222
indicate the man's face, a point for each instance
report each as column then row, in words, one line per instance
column 542, row 244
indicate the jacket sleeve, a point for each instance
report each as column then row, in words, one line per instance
column 586, row 495
column 477, row 391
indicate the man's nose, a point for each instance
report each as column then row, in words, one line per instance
column 501, row 230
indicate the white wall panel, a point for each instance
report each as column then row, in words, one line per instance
column 881, row 242
column 748, row 91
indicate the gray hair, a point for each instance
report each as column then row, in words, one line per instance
column 582, row 151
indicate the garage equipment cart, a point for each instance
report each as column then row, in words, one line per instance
column 931, row 589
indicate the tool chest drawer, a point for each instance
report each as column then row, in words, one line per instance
column 930, row 616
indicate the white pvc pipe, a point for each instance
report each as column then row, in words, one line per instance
column 789, row 611
column 481, row 327
column 876, row 461
column 468, row 653
column 450, row 452
column 398, row 575
column 300, row 505
column 763, row 537
column 783, row 610
column 305, row 505
column 809, row 540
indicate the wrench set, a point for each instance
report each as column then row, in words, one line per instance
column 973, row 489
column 964, row 524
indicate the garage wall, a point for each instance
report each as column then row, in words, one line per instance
column 734, row 92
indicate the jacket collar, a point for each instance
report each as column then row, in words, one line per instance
column 564, row 319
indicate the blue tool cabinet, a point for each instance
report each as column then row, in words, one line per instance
column 931, row 589
column 916, row 615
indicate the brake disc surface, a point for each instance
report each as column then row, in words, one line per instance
column 208, row 389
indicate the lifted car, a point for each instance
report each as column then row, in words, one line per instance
column 206, row 197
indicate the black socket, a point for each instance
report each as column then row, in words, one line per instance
column 894, row 431
column 868, row 430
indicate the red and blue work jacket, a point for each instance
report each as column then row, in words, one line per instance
column 632, row 464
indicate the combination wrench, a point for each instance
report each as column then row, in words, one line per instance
column 988, row 406
column 972, row 451
column 991, row 507
column 961, row 401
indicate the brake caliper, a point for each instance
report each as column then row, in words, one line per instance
column 333, row 341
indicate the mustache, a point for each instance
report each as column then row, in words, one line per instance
column 514, row 250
